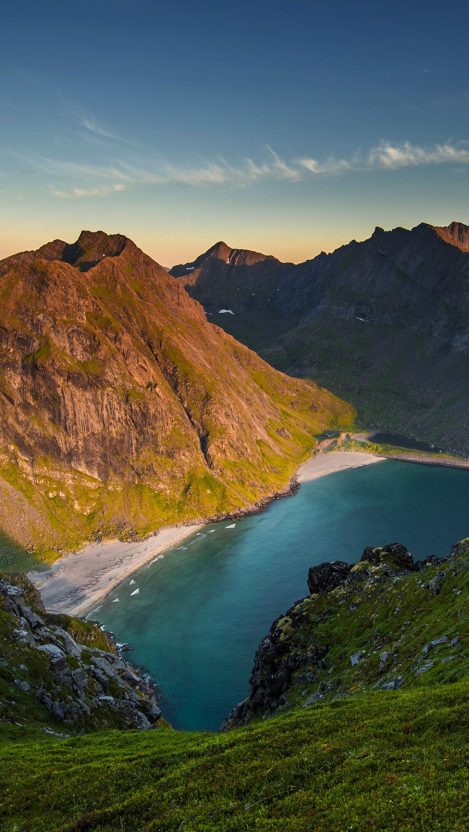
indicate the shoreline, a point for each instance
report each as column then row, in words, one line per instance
column 78, row 581
column 331, row 462
column 426, row 459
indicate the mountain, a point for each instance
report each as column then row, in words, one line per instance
column 383, row 323
column 123, row 409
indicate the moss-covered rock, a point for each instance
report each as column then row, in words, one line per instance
column 388, row 622
column 58, row 671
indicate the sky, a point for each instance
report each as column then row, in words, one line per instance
column 288, row 128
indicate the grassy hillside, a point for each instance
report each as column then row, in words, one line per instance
column 363, row 759
column 383, row 762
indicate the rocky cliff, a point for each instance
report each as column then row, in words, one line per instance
column 59, row 672
column 385, row 623
column 123, row 409
column 381, row 322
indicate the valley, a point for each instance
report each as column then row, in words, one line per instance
column 168, row 491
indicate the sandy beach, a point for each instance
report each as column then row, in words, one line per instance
column 320, row 465
column 77, row 582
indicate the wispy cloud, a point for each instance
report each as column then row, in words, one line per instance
column 84, row 193
column 391, row 156
column 93, row 126
column 79, row 180
column 202, row 174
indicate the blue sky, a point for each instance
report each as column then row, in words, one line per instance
column 284, row 127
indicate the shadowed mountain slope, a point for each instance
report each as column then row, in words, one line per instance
column 123, row 409
column 382, row 322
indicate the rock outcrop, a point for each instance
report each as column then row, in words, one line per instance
column 56, row 670
column 365, row 626
column 327, row 576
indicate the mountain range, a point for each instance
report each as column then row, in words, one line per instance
column 123, row 409
column 383, row 322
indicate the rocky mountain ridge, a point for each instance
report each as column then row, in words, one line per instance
column 381, row 322
column 123, row 409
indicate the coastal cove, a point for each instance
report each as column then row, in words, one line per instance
column 195, row 617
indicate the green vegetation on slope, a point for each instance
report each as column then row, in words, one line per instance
column 384, row 762
column 363, row 759
column 383, row 623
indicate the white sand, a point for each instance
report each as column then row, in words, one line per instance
column 77, row 582
column 320, row 465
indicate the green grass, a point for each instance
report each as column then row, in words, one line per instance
column 361, row 760
column 381, row 763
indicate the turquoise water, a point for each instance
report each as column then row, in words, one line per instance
column 201, row 611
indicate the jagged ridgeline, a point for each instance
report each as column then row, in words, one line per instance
column 382, row 322
column 123, row 409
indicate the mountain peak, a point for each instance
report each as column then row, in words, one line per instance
column 90, row 248
column 456, row 234
column 222, row 253
column 233, row 256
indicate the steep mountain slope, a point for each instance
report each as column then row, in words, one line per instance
column 122, row 409
column 382, row 322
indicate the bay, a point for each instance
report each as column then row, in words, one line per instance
column 202, row 609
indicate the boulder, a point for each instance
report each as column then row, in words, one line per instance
column 327, row 576
column 393, row 554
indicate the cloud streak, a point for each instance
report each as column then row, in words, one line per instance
column 84, row 180
column 84, row 193
column 391, row 156
column 93, row 126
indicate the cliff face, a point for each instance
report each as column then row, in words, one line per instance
column 382, row 322
column 384, row 623
column 122, row 408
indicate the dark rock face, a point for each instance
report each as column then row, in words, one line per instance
column 327, row 576
column 274, row 665
column 394, row 554
column 383, row 322
column 81, row 685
